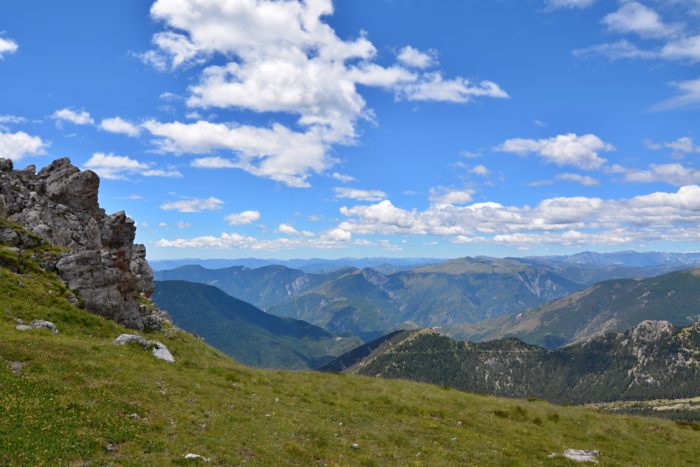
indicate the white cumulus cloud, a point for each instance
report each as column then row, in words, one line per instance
column 193, row 205
column 584, row 180
column 243, row 218
column 360, row 195
column 569, row 149
column 681, row 146
column 7, row 46
column 343, row 177
column 277, row 153
column 580, row 220
column 442, row 195
column 684, row 48
column 673, row 174
column 281, row 57
column 112, row 167
column 119, row 125
column 18, row 145
column 77, row 117
column 634, row 17
column 414, row 58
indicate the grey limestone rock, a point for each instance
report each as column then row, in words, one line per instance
column 60, row 204
column 158, row 349
column 40, row 323
column 124, row 339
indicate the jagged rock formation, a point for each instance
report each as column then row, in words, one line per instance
column 100, row 262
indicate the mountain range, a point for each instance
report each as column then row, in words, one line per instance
column 609, row 306
column 248, row 334
column 311, row 265
column 369, row 303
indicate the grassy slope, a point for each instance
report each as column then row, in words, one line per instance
column 77, row 390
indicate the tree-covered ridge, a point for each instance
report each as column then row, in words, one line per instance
column 650, row 361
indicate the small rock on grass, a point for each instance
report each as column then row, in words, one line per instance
column 17, row 367
column 40, row 323
column 579, row 455
column 158, row 349
column 129, row 338
column 197, row 457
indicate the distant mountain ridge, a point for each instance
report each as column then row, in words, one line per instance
column 610, row 306
column 311, row 265
column 369, row 302
column 624, row 258
column 652, row 360
column 246, row 333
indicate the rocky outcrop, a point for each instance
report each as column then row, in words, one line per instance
column 101, row 262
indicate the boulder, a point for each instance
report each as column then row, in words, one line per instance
column 124, row 339
column 40, row 323
column 160, row 351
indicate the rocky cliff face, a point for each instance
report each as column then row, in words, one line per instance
column 100, row 262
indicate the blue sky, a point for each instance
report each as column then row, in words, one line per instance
column 230, row 128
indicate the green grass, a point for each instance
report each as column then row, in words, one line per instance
column 77, row 391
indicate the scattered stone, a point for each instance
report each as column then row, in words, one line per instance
column 197, row 457
column 134, row 416
column 581, row 455
column 578, row 455
column 355, row 446
column 111, row 447
column 40, row 323
column 23, row 327
column 20, row 284
column 160, row 351
column 129, row 338
column 17, row 367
